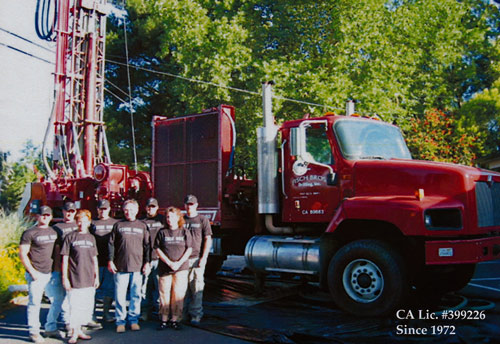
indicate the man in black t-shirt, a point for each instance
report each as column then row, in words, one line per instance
column 101, row 229
column 155, row 222
column 129, row 254
column 36, row 251
column 201, row 233
column 64, row 228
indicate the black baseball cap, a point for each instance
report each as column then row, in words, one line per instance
column 190, row 199
column 103, row 204
column 69, row 206
column 152, row 202
column 45, row 210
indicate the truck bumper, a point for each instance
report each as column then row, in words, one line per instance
column 462, row 251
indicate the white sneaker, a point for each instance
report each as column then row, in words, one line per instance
column 36, row 338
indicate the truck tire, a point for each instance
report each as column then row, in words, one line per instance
column 368, row 278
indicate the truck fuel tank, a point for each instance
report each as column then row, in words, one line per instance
column 297, row 255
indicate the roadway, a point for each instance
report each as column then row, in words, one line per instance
column 293, row 312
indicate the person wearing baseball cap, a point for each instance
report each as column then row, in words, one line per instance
column 150, row 295
column 64, row 228
column 201, row 233
column 36, row 252
column 128, row 260
column 101, row 229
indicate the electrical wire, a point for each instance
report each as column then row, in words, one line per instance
column 25, row 53
column 129, row 89
column 27, row 40
column 209, row 83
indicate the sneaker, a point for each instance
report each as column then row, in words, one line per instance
column 120, row 329
column 195, row 321
column 94, row 325
column 163, row 326
column 84, row 336
column 36, row 338
column 135, row 327
column 55, row 334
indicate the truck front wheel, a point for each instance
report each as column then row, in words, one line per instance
column 367, row 278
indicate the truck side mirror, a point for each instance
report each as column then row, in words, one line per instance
column 331, row 179
column 297, row 141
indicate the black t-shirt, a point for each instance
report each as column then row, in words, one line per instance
column 101, row 229
column 173, row 243
column 42, row 242
column 199, row 226
column 63, row 229
column 129, row 245
column 154, row 225
column 81, row 249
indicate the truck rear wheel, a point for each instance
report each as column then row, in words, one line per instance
column 367, row 278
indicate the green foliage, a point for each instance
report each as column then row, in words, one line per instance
column 484, row 111
column 397, row 58
column 12, row 227
column 12, row 271
column 15, row 175
column 439, row 137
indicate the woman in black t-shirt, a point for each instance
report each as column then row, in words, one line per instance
column 173, row 245
column 80, row 273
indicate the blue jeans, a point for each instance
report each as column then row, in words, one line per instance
column 58, row 288
column 150, row 294
column 122, row 282
column 106, row 284
column 55, row 295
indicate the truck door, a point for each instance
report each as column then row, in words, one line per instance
column 310, row 186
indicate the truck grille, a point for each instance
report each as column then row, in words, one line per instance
column 488, row 204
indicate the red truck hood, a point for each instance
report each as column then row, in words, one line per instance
column 404, row 177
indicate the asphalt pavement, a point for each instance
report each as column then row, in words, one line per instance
column 291, row 311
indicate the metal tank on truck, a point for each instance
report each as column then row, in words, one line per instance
column 338, row 199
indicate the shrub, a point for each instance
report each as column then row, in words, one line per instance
column 12, row 270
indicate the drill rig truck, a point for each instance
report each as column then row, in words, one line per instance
column 338, row 199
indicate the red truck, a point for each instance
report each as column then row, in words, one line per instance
column 338, row 199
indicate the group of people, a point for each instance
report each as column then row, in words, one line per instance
column 160, row 260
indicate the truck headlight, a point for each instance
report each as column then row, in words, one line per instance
column 443, row 219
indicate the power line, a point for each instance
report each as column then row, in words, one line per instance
column 117, row 87
column 221, row 86
column 26, row 53
column 114, row 95
column 27, row 40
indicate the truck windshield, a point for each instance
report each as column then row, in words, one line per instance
column 360, row 139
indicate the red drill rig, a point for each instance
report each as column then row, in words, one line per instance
column 81, row 169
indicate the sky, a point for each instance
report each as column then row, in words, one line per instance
column 26, row 83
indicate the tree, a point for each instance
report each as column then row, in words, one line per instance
column 15, row 175
column 484, row 110
column 397, row 58
column 438, row 136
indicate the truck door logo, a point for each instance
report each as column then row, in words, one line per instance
column 308, row 181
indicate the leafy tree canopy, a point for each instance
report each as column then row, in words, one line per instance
column 15, row 175
column 397, row 58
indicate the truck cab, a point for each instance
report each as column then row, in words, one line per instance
column 338, row 200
